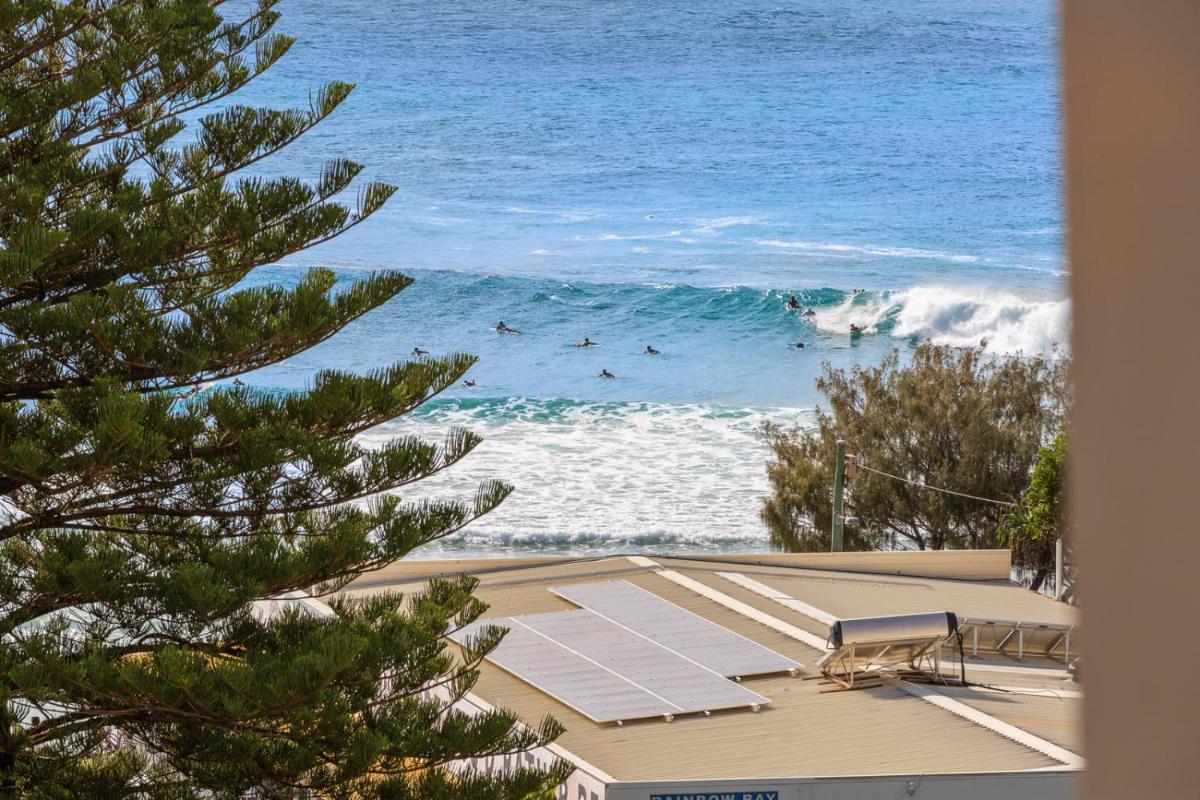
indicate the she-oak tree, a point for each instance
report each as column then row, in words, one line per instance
column 140, row 519
column 956, row 419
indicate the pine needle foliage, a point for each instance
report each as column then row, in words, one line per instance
column 140, row 518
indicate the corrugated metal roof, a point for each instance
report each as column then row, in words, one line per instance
column 846, row 596
column 1050, row 715
column 803, row 732
column 976, row 565
column 959, row 564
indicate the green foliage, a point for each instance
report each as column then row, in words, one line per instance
column 1040, row 518
column 955, row 419
column 139, row 518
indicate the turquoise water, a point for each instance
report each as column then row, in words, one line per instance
column 668, row 174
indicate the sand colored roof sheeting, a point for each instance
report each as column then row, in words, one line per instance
column 847, row 595
column 976, row 565
column 804, row 732
column 1051, row 715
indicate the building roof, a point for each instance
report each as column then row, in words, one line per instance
column 1027, row 720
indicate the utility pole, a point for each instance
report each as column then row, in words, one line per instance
column 839, row 469
column 1058, row 569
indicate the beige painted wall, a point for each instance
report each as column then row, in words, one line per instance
column 1132, row 93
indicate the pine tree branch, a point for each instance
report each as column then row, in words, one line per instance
column 45, row 41
column 141, row 523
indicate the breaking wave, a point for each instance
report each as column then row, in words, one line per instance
column 955, row 317
column 963, row 318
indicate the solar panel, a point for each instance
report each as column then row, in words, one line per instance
column 598, row 693
column 654, row 667
column 688, row 634
column 606, row 671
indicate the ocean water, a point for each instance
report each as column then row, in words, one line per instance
column 668, row 174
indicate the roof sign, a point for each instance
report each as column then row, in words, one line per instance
column 737, row 794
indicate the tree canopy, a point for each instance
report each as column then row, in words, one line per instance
column 1039, row 520
column 956, row 419
column 141, row 517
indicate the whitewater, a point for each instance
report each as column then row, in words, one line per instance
column 670, row 174
column 666, row 457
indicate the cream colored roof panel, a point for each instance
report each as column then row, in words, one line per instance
column 847, row 596
column 1050, row 715
column 803, row 731
column 758, row 602
column 489, row 571
column 978, row 565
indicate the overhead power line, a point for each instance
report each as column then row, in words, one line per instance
column 921, row 485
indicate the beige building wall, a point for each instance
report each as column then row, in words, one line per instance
column 1132, row 98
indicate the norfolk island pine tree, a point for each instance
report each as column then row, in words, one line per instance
column 140, row 519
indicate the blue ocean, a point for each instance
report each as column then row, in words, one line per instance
column 669, row 174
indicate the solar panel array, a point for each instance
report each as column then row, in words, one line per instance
column 598, row 693
column 685, row 684
column 688, row 634
column 629, row 655
column 606, row 672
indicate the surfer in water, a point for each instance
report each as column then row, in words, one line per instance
column 809, row 313
column 470, row 384
column 418, row 352
column 604, row 373
column 856, row 329
column 585, row 343
column 799, row 345
column 650, row 351
column 793, row 303
column 502, row 328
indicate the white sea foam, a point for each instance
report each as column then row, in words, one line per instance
column 712, row 226
column 637, row 237
column 605, row 477
column 964, row 318
column 565, row 216
column 869, row 249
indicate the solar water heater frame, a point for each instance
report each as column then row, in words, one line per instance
column 1025, row 634
column 889, row 644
